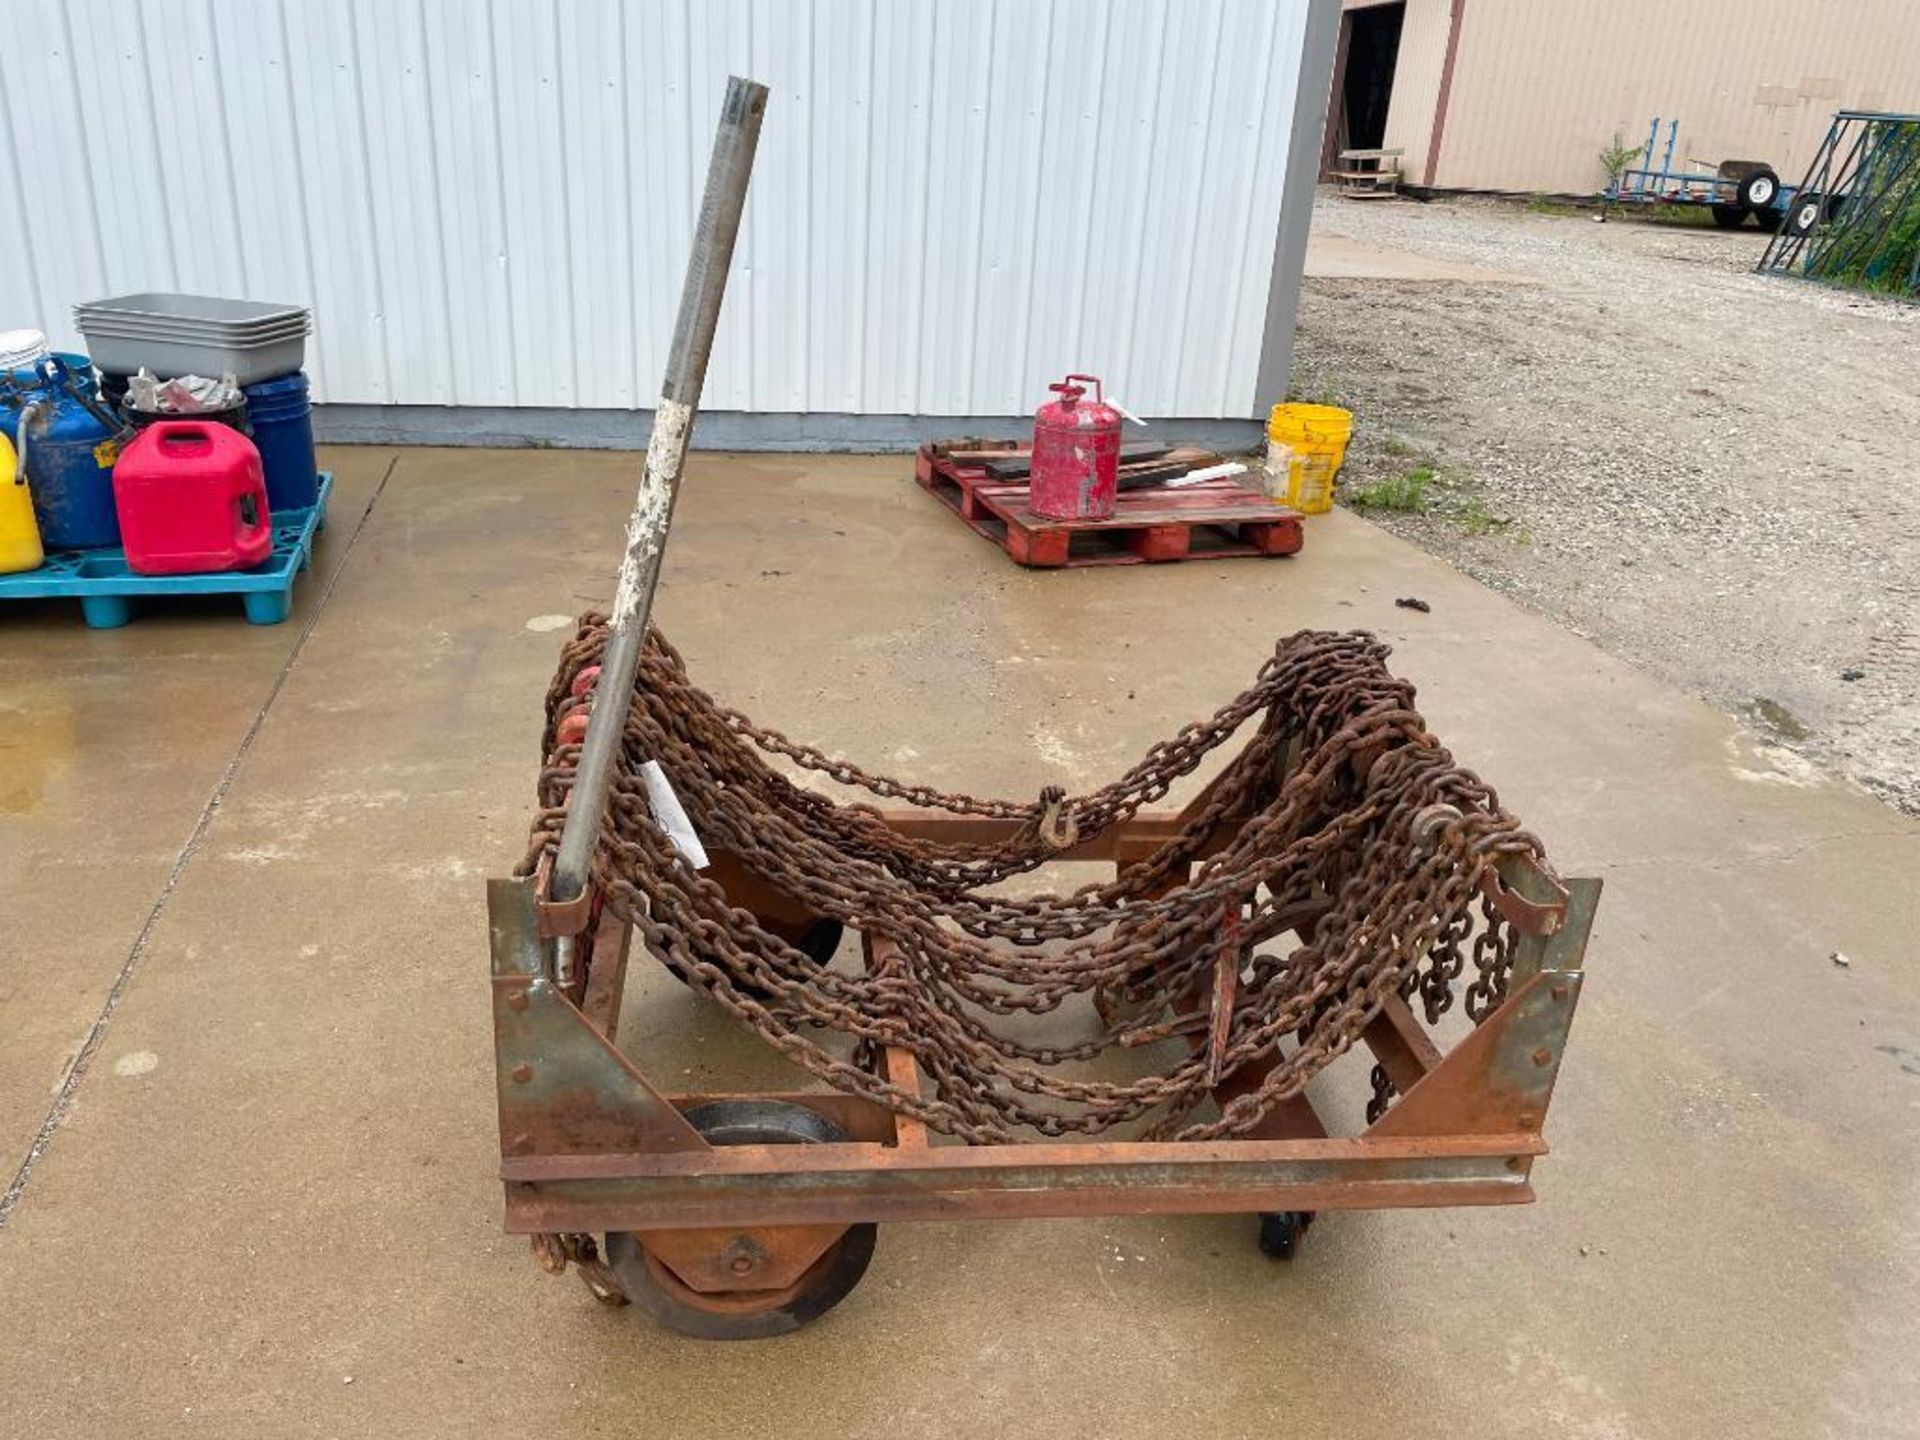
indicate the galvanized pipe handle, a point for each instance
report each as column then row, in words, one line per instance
column 728, row 171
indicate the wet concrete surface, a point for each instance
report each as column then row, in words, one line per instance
column 112, row 744
column 270, row 1207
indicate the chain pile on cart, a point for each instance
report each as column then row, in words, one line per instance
column 1344, row 821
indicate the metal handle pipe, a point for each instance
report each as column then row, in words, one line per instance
column 728, row 171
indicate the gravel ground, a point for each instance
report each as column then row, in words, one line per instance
column 1709, row 472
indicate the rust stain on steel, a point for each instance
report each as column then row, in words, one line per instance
column 875, row 1195
column 562, row 1085
column 751, row 1185
column 1529, row 898
column 902, row 1070
column 1401, row 1044
column 1226, row 980
column 973, row 1164
column 760, row 1257
column 1491, row 1078
column 607, row 976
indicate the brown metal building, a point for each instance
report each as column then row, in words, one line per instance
column 1522, row 95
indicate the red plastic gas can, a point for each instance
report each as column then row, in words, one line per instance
column 1076, row 455
column 191, row 496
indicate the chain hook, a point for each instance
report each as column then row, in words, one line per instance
column 1428, row 823
column 1058, row 827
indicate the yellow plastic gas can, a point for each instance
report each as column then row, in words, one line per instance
column 19, row 534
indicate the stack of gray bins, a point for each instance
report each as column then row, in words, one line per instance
column 174, row 335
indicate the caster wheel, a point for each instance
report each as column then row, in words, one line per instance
column 747, row 1314
column 1281, row 1232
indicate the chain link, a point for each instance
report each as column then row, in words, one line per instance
column 1370, row 848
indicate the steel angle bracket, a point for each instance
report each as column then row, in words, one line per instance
column 1499, row 1079
column 564, row 1088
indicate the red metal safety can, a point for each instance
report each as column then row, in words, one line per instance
column 1076, row 454
column 191, row 496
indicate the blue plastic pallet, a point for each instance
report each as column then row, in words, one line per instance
column 106, row 587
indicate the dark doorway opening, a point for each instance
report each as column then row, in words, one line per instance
column 1363, row 80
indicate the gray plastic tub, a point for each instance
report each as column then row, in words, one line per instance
column 165, row 307
column 172, row 334
column 208, row 337
column 248, row 364
column 120, row 325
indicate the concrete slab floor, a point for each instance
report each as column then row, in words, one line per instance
column 270, row 1207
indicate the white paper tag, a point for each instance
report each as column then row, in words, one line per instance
column 672, row 816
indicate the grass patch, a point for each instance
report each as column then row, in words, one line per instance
column 1405, row 493
column 1315, row 395
column 1685, row 216
column 1428, row 488
column 1547, row 205
column 1474, row 518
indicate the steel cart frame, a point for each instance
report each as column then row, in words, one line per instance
column 590, row 1145
column 725, row 1226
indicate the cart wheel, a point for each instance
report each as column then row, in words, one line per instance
column 817, row 942
column 747, row 1314
column 1758, row 189
column 1281, row 1232
column 1729, row 217
column 1804, row 214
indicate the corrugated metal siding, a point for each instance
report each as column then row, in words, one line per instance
column 1416, row 83
column 1539, row 90
column 490, row 203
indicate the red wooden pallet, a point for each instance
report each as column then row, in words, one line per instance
column 1211, row 520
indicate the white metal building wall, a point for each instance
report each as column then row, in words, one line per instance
column 488, row 202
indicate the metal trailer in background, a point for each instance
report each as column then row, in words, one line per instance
column 1731, row 189
column 1855, row 218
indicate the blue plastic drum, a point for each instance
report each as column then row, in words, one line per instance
column 283, row 430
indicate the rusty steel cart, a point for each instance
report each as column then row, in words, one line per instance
column 1325, row 890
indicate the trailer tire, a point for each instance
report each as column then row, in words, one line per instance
column 1729, row 217
column 1759, row 189
column 1804, row 215
column 747, row 1314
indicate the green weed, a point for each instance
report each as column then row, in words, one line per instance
column 1405, row 493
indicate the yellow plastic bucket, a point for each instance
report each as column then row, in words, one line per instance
column 19, row 533
column 1317, row 436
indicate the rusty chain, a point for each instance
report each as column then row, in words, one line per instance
column 1346, row 826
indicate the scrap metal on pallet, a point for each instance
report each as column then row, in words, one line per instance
column 1340, row 882
column 1155, row 515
